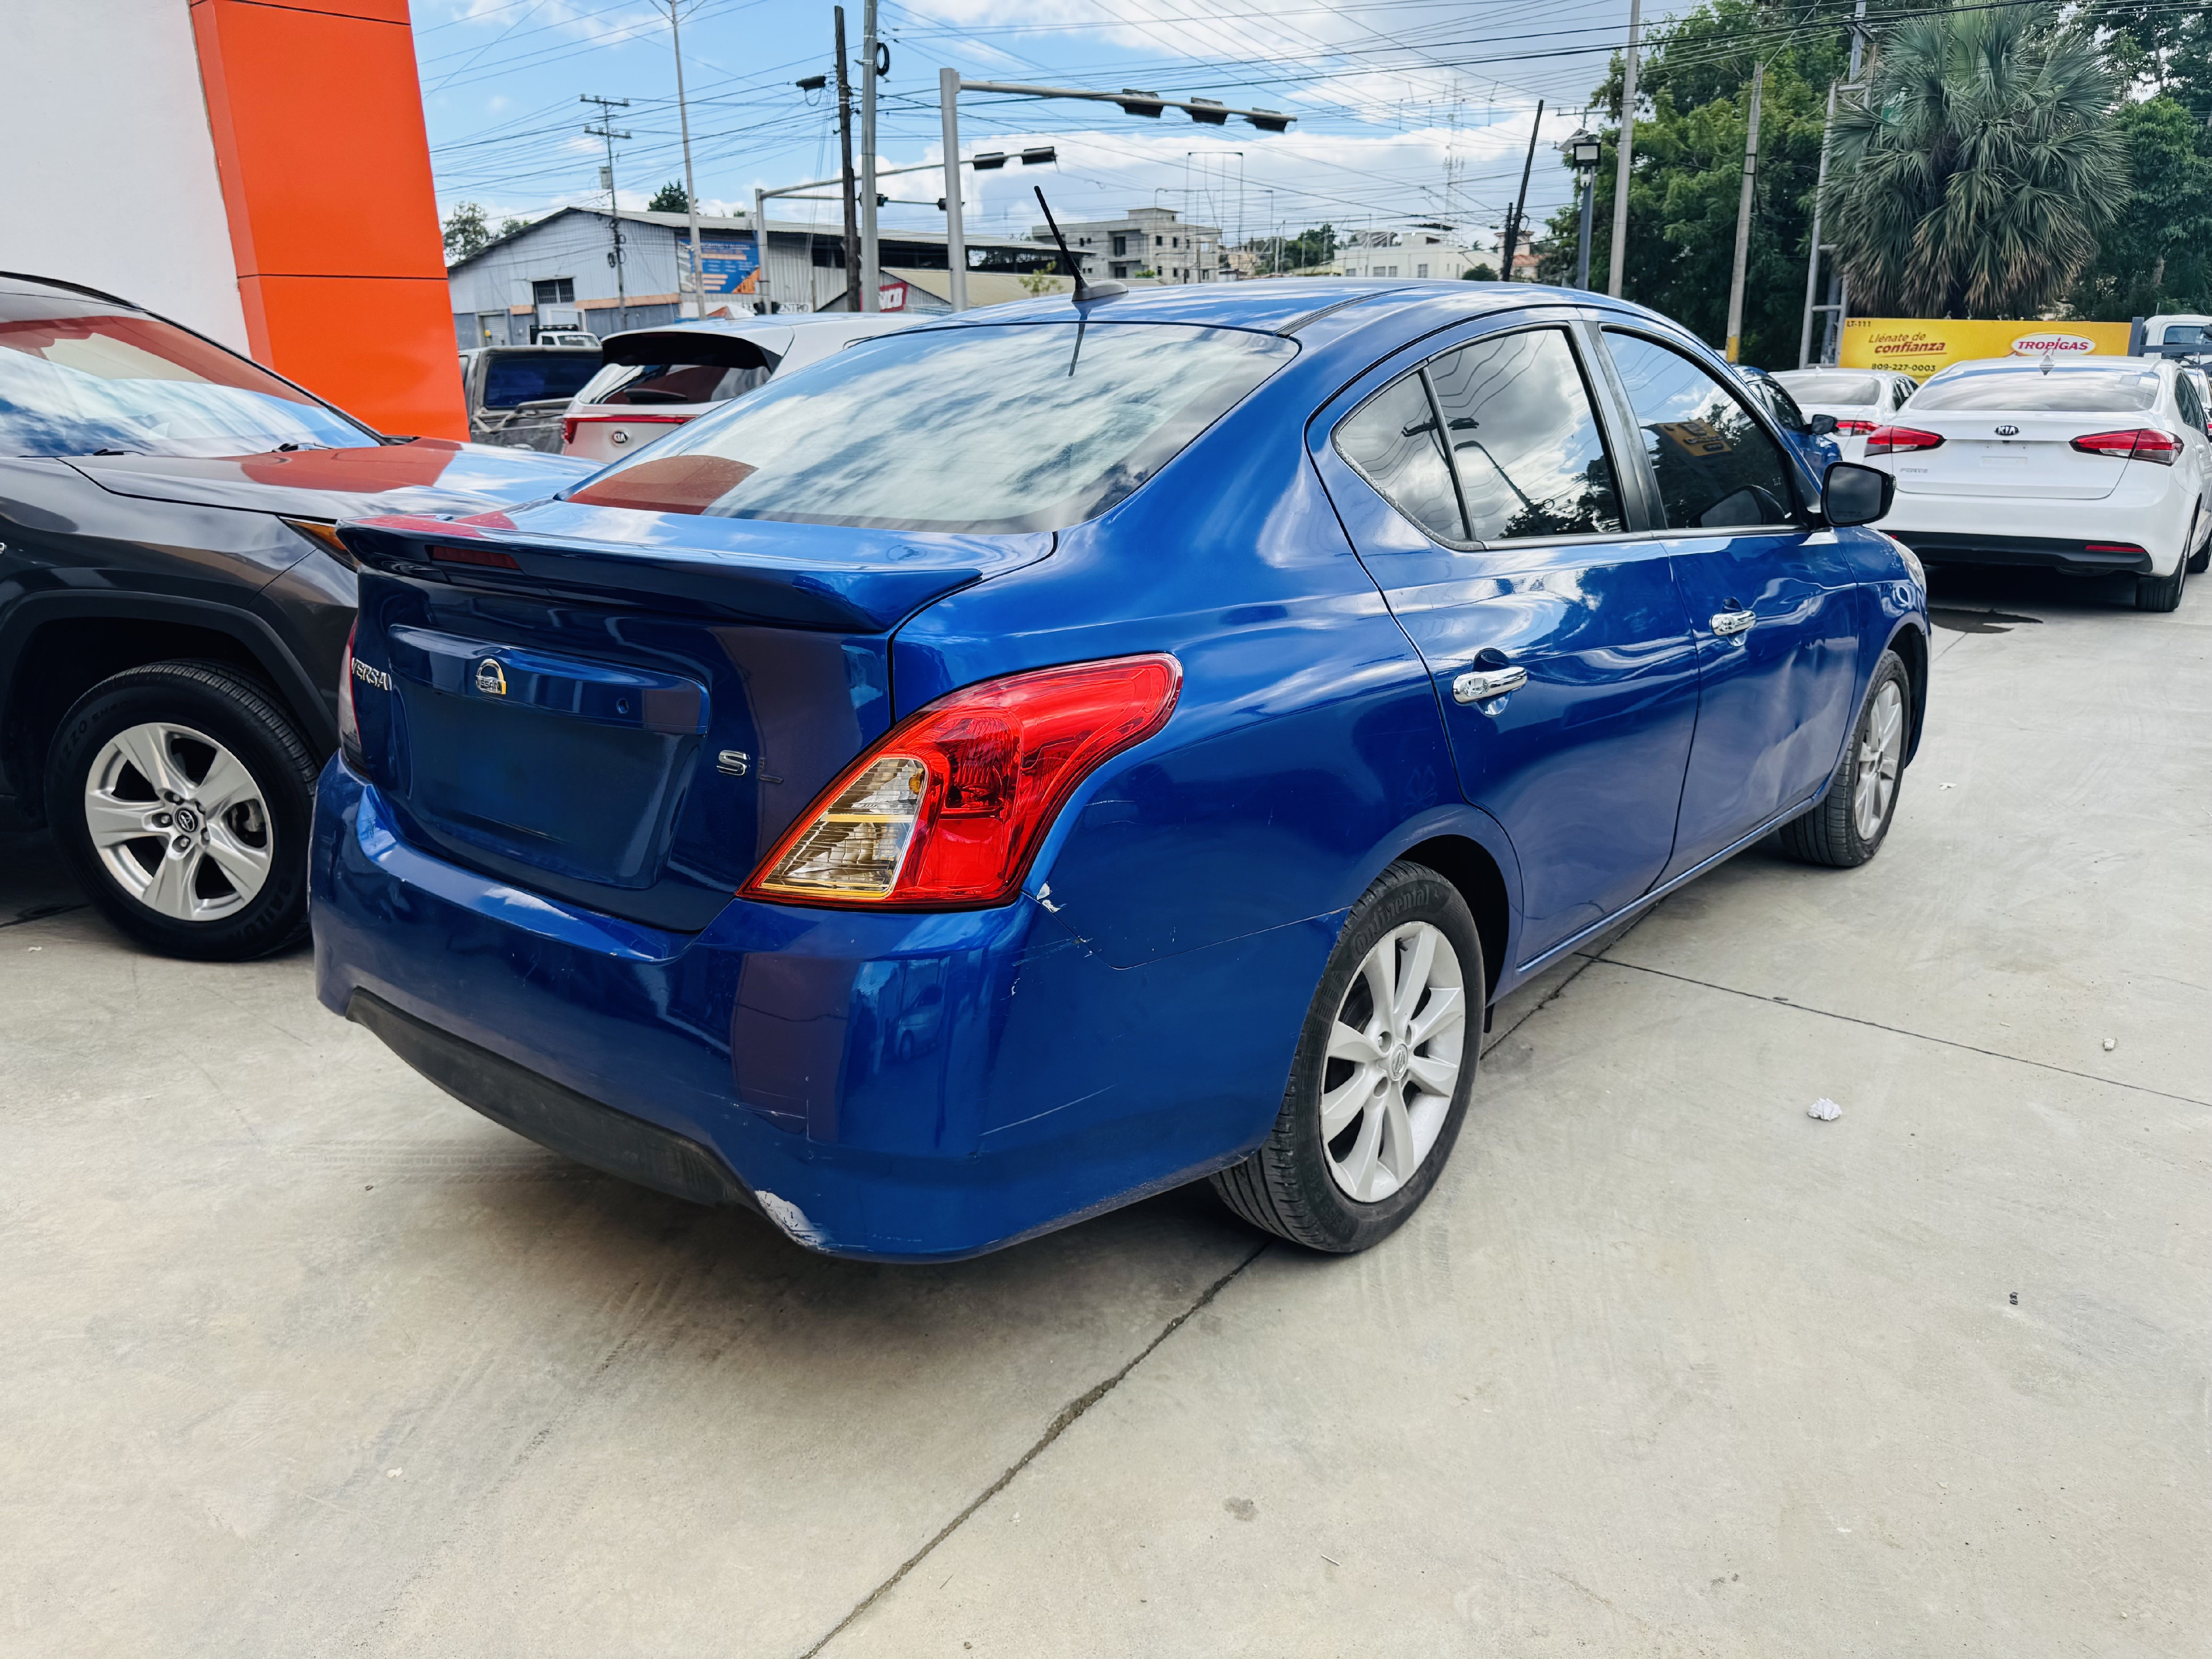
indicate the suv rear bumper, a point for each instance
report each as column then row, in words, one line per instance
column 2079, row 558
column 916, row 1086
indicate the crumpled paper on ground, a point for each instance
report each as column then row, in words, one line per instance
column 1823, row 1108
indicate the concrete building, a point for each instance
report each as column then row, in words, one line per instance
column 1146, row 243
column 1406, row 253
column 559, row 272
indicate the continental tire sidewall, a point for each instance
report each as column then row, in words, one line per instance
column 245, row 719
column 1404, row 893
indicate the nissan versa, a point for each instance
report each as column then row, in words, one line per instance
column 1030, row 761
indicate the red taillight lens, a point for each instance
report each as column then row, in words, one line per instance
column 348, row 727
column 1854, row 428
column 1901, row 440
column 2143, row 443
column 946, row 812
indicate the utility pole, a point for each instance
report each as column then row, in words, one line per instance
column 1520, row 202
column 1813, row 259
column 1839, row 286
column 872, row 280
column 606, row 130
column 1743, row 216
column 1627, row 149
column 956, row 239
column 690, row 183
column 845, row 146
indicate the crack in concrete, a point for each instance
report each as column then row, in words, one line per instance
column 1901, row 1031
column 1068, row 1415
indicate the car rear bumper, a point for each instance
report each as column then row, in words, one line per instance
column 884, row 1086
column 2080, row 558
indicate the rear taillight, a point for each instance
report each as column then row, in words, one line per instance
column 2143, row 443
column 348, row 727
column 948, row 809
column 1901, row 440
column 1852, row 429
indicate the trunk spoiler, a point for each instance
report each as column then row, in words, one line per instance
column 793, row 575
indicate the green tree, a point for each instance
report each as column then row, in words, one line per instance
column 1972, row 177
column 466, row 233
column 670, row 197
column 2157, row 255
column 1687, row 174
column 508, row 227
column 1479, row 274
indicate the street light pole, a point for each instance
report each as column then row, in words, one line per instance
column 871, row 276
column 956, row 239
column 690, row 183
column 1584, row 151
column 1627, row 148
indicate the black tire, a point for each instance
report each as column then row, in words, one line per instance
column 245, row 718
column 2164, row 593
column 1286, row 1187
column 2201, row 560
column 1828, row 834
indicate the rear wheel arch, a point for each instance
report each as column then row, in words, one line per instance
column 55, row 648
column 1469, row 865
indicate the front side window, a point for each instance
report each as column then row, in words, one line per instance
column 1524, row 439
column 115, row 383
column 1717, row 467
column 987, row 428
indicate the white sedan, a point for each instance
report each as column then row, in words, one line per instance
column 1859, row 399
column 654, row 380
column 2095, row 467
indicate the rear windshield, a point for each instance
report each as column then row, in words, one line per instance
column 989, row 428
column 673, row 383
column 1810, row 387
column 2028, row 391
column 523, row 377
column 123, row 385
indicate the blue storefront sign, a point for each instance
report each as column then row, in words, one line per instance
column 732, row 266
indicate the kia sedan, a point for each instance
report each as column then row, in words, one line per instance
column 2095, row 467
column 1856, row 399
column 1045, row 757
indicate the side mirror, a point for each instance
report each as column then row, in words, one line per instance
column 1821, row 425
column 1856, row 495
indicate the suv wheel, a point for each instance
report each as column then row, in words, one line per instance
column 1384, row 1072
column 181, row 793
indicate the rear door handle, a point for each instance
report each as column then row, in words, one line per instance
column 1480, row 684
column 1726, row 622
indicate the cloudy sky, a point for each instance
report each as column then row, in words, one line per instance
column 1407, row 110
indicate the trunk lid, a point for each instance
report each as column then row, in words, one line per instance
column 423, row 475
column 626, row 709
column 2023, row 456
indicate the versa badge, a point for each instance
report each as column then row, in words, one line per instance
column 491, row 678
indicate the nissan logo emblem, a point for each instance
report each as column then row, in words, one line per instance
column 2008, row 432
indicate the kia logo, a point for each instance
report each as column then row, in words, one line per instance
column 2008, row 432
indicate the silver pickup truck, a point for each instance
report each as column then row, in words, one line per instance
column 517, row 394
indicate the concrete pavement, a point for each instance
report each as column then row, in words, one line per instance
column 307, row 1359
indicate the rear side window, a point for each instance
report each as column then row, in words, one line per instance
column 1392, row 441
column 987, row 428
column 516, row 377
column 1524, row 439
column 1717, row 467
column 2028, row 391
column 2184, row 394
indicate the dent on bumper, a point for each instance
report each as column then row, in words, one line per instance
column 882, row 1085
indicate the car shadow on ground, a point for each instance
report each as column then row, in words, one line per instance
column 1961, row 596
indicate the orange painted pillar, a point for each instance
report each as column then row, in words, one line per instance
column 325, row 171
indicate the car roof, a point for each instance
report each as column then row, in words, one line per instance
column 1980, row 366
column 1277, row 305
column 31, row 287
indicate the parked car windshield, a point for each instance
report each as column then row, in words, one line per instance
column 524, row 377
column 987, row 428
column 1813, row 386
column 2028, row 391
column 122, row 384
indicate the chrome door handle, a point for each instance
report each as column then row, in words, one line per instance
column 1726, row 622
column 1480, row 684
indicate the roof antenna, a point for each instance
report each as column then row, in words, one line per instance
column 1084, row 292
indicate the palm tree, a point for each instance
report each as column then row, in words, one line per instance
column 1974, row 174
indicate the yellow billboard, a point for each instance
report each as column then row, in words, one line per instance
column 1920, row 346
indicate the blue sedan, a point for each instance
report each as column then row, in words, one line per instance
column 1044, row 756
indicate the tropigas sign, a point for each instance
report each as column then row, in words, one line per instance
column 1919, row 347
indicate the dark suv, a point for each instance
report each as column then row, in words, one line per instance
column 174, row 606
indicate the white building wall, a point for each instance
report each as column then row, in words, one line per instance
column 109, row 166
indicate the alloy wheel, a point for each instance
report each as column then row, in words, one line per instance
column 1394, row 1059
column 178, row 822
column 1880, row 751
